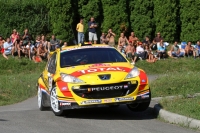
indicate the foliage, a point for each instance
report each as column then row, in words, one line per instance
column 115, row 16
column 20, row 15
column 165, row 18
column 175, row 19
column 141, row 14
column 61, row 19
column 190, row 20
column 88, row 9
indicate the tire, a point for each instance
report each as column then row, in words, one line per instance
column 40, row 99
column 54, row 103
column 140, row 107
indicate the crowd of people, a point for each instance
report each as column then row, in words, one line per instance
column 134, row 49
column 38, row 49
column 24, row 45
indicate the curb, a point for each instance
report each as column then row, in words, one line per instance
column 175, row 118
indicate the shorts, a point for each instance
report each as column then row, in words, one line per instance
column 92, row 36
column 7, row 52
column 130, row 55
column 112, row 44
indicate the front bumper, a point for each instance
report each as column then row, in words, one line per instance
column 74, row 105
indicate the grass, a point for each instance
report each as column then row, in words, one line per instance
column 184, row 106
column 18, row 78
column 177, row 77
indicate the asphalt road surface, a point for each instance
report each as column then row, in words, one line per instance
column 25, row 117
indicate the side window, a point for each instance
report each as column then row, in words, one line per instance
column 52, row 64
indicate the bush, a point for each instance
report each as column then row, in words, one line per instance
column 141, row 14
column 165, row 18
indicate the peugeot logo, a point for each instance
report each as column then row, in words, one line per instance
column 104, row 77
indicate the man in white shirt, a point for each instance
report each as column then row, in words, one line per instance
column 140, row 51
column 8, row 48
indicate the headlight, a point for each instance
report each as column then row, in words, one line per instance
column 133, row 73
column 70, row 79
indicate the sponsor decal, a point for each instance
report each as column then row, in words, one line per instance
column 124, row 99
column 107, row 100
column 76, row 87
column 91, row 101
column 143, row 81
column 64, row 88
column 133, row 82
column 145, row 96
column 106, row 88
column 125, row 86
column 99, row 65
column 92, row 70
column 65, row 104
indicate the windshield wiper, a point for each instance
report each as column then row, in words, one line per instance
column 66, row 66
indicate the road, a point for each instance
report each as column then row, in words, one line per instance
column 25, row 117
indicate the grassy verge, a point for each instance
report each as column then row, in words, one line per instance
column 18, row 78
column 184, row 106
column 176, row 83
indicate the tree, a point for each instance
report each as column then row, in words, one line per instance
column 88, row 9
column 190, row 20
column 165, row 18
column 61, row 16
column 115, row 16
column 141, row 14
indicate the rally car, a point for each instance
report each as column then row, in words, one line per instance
column 91, row 76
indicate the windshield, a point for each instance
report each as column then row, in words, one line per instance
column 90, row 56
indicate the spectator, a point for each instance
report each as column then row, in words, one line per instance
column 92, row 30
column 140, row 51
column 197, row 50
column 175, row 50
column 122, row 42
column 161, row 51
column 132, row 37
column 20, row 48
column 111, row 38
column 14, row 38
column 130, row 52
column 149, row 55
column 30, row 50
column 42, row 51
column 189, row 49
column 37, row 41
column 44, row 41
column 54, row 43
column 1, row 43
column 8, row 48
column 65, row 45
column 146, row 41
column 80, row 30
column 156, row 41
column 103, row 39
column 26, row 37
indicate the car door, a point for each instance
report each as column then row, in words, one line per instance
column 50, row 71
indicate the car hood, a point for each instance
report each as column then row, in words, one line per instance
column 99, row 73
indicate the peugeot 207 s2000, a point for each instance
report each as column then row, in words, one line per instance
column 91, row 76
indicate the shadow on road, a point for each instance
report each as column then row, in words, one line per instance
column 120, row 113
column 3, row 120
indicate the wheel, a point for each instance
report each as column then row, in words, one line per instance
column 139, row 107
column 40, row 99
column 54, row 103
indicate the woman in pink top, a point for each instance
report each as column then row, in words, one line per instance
column 14, row 37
